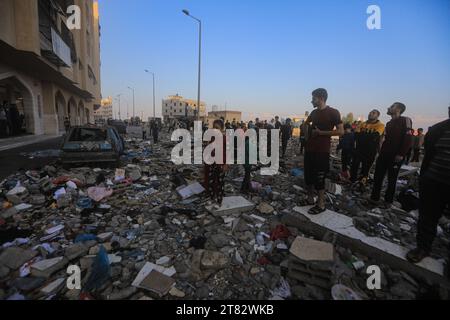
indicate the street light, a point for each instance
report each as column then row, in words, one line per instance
column 154, row 114
column 199, row 58
column 132, row 89
column 118, row 98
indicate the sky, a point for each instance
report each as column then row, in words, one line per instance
column 265, row 57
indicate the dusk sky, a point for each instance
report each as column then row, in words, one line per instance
column 264, row 57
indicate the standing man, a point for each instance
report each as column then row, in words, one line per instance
column 418, row 144
column 368, row 138
column 303, row 128
column 434, row 188
column 409, row 153
column 347, row 146
column 277, row 122
column 324, row 122
column 3, row 122
column 67, row 124
column 397, row 142
column 286, row 134
column 154, row 128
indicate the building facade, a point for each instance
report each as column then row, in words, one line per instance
column 176, row 107
column 226, row 115
column 46, row 70
column 104, row 112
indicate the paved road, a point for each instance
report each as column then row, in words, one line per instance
column 12, row 160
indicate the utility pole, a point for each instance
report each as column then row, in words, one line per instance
column 118, row 96
column 132, row 89
column 186, row 12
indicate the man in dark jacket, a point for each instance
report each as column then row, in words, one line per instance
column 277, row 122
column 286, row 134
column 154, row 128
column 434, row 188
column 347, row 146
column 397, row 142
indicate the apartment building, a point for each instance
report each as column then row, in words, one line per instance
column 176, row 107
column 47, row 71
column 104, row 112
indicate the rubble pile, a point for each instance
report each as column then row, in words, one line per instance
column 147, row 230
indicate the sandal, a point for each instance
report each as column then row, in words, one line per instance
column 416, row 255
column 316, row 210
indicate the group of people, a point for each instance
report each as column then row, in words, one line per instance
column 154, row 128
column 362, row 141
column 11, row 120
column 388, row 146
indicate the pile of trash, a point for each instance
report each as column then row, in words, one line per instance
column 147, row 230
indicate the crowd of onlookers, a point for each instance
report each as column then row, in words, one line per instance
column 363, row 145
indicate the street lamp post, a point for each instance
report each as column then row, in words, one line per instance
column 118, row 97
column 153, row 75
column 132, row 89
column 199, row 58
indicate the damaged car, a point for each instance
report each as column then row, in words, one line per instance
column 88, row 144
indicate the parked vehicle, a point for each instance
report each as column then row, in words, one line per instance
column 90, row 144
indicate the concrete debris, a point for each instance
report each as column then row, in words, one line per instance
column 163, row 237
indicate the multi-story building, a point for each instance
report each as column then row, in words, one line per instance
column 104, row 112
column 175, row 107
column 48, row 71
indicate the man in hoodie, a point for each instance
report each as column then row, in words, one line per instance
column 397, row 142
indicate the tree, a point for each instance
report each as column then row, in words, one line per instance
column 349, row 118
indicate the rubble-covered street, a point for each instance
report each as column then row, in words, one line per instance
column 147, row 230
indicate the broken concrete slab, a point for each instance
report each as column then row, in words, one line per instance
column 45, row 268
column 164, row 261
column 232, row 205
column 265, row 208
column 17, row 195
column 14, row 257
column 28, row 284
column 149, row 267
column 76, row 250
column 312, row 250
column 377, row 248
column 53, row 286
column 37, row 200
column 213, row 260
column 157, row 283
column 103, row 237
column 186, row 192
column 174, row 292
